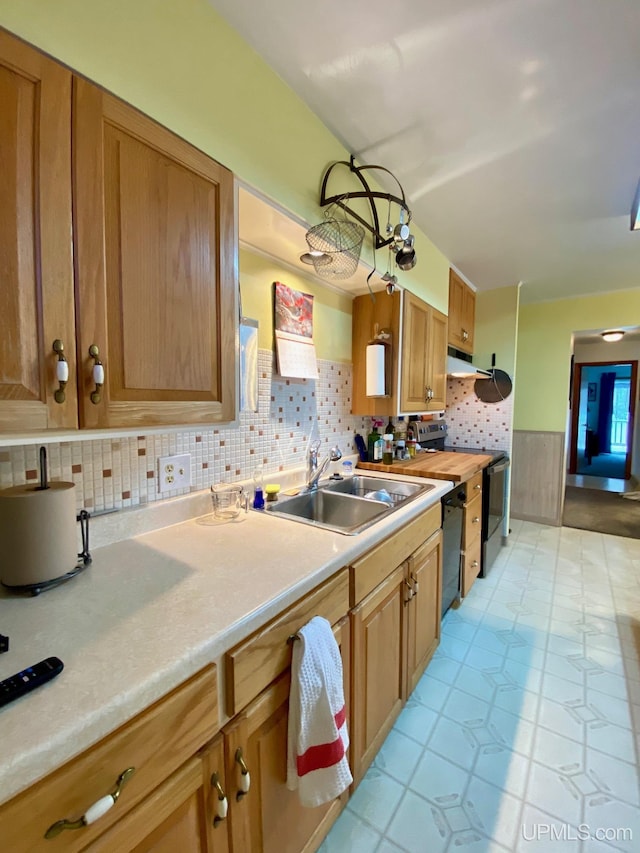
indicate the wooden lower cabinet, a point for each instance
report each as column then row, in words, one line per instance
column 471, row 535
column 269, row 817
column 379, row 678
column 395, row 631
column 425, row 576
column 470, row 564
column 184, row 765
column 163, row 744
column 179, row 815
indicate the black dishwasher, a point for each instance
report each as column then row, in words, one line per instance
column 452, row 515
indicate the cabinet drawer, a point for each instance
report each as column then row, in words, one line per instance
column 472, row 520
column 470, row 564
column 474, row 486
column 256, row 662
column 374, row 567
column 156, row 743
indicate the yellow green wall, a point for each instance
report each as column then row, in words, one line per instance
column 496, row 327
column 332, row 311
column 544, row 352
column 180, row 63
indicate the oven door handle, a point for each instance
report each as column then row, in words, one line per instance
column 496, row 469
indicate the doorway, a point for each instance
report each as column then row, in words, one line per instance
column 602, row 417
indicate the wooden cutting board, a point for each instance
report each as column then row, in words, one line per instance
column 457, row 467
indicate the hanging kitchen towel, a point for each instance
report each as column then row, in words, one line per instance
column 317, row 763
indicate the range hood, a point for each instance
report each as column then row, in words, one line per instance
column 460, row 366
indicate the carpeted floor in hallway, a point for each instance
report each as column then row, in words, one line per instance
column 603, row 512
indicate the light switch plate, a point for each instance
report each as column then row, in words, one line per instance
column 174, row 472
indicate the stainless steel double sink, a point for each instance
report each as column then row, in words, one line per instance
column 350, row 505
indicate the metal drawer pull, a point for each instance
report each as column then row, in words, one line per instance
column 222, row 804
column 478, row 486
column 95, row 811
column 245, row 777
column 474, row 564
column 62, row 371
column 475, row 519
column 414, row 581
column 98, row 374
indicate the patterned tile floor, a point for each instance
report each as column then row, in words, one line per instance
column 523, row 736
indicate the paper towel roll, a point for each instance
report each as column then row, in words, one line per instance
column 375, row 366
column 38, row 533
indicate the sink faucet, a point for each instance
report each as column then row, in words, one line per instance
column 316, row 469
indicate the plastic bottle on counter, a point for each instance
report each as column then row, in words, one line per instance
column 258, row 490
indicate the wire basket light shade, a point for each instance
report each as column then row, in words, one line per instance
column 341, row 242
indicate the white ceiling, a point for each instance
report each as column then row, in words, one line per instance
column 513, row 125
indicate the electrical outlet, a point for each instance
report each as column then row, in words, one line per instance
column 174, row 472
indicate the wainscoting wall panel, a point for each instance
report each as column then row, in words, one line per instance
column 537, row 476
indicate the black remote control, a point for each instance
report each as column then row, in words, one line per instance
column 30, row 678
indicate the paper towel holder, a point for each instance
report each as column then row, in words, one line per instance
column 378, row 364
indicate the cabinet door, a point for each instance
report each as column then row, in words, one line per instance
column 269, row 818
column 415, row 380
column 384, row 313
column 36, row 288
column 437, row 361
column 462, row 307
column 425, row 577
column 468, row 319
column 156, row 262
column 378, row 689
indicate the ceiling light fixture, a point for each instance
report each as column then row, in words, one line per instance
column 635, row 213
column 612, row 336
column 315, row 258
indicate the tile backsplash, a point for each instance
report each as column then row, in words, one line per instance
column 123, row 472
column 473, row 423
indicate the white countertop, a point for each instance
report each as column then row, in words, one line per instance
column 150, row 612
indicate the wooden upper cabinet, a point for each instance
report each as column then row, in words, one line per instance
column 423, row 383
column 156, row 269
column 36, row 286
column 438, row 361
column 462, row 313
column 417, row 362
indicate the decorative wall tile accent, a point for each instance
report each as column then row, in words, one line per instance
column 473, row 423
column 122, row 472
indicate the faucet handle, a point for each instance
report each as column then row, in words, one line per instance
column 335, row 453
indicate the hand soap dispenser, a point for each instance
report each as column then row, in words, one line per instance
column 258, row 490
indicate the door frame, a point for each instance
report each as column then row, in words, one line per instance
column 575, row 410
